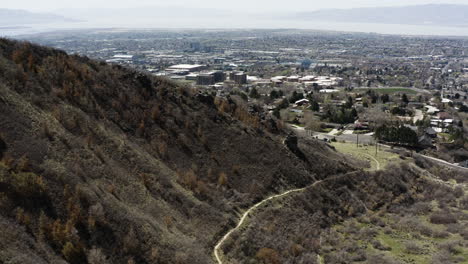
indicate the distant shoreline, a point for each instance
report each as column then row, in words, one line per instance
column 345, row 28
column 13, row 27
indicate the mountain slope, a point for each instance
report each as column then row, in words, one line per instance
column 102, row 164
column 433, row 14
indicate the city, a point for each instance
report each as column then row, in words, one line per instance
column 309, row 79
column 211, row 132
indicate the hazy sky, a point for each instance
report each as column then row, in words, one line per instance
column 257, row 5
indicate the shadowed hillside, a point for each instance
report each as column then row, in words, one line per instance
column 102, row 164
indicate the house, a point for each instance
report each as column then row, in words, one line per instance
column 431, row 110
column 430, row 132
column 302, row 102
column 425, row 141
column 329, row 91
column 416, row 105
column 443, row 115
column 446, row 101
column 361, row 125
column 293, row 79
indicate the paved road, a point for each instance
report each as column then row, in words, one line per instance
column 443, row 162
column 351, row 138
column 366, row 139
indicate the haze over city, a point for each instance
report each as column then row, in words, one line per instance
column 245, row 5
column 216, row 132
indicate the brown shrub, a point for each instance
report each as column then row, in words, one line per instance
column 201, row 188
column 23, row 164
column 222, row 179
column 296, row 250
column 268, row 256
column 188, row 179
column 169, row 221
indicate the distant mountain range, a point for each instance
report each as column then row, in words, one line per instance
column 151, row 12
column 432, row 14
column 10, row 17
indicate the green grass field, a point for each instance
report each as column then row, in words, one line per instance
column 365, row 153
column 391, row 90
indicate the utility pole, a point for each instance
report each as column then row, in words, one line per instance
column 376, row 146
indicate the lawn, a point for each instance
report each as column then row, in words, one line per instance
column 365, row 153
column 388, row 90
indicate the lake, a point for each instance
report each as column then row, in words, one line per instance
column 229, row 23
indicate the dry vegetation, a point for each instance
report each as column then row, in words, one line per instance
column 102, row 164
column 401, row 215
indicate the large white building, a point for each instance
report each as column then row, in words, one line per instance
column 186, row 68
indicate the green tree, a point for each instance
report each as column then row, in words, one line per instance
column 404, row 98
column 254, row 93
column 314, row 106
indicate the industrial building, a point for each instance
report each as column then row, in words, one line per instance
column 238, row 77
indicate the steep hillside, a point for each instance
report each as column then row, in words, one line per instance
column 102, row 164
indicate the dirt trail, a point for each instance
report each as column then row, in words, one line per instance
column 217, row 250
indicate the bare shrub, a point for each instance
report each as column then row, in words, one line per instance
column 458, row 192
column 388, row 230
column 412, row 247
column 368, row 233
column 441, row 257
column 451, row 246
column 422, row 208
column 364, row 219
column 464, row 233
column 381, row 259
column 47, row 133
column 96, row 256
column 131, row 242
column 464, row 203
column 443, row 218
column 440, row 234
column 377, row 221
column 338, row 257
column 359, row 256
column 378, row 245
column 351, row 227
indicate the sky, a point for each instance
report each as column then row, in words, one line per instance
column 257, row 5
